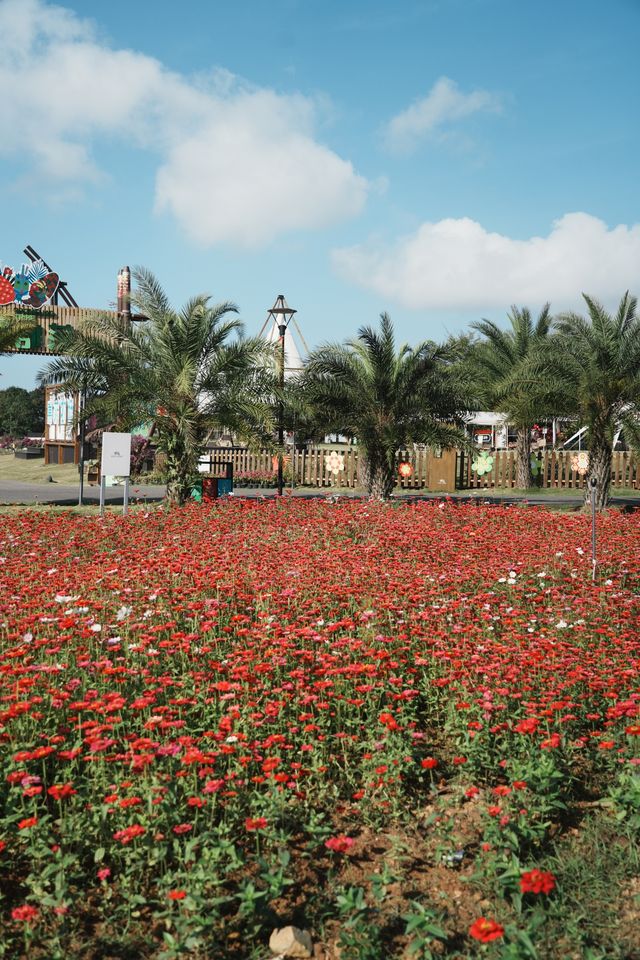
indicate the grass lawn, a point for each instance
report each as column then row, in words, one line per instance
column 35, row 471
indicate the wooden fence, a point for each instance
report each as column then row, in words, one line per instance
column 313, row 467
column 555, row 469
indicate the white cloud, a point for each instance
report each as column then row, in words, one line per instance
column 235, row 164
column 457, row 264
column 443, row 106
column 258, row 173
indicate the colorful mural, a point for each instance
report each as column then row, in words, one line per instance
column 33, row 286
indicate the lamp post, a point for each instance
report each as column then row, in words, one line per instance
column 281, row 315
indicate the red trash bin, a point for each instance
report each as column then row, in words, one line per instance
column 209, row 488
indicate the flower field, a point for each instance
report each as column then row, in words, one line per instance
column 410, row 729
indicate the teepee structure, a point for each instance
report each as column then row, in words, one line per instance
column 281, row 315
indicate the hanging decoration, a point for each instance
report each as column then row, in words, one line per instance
column 286, row 460
column 580, row 463
column 334, row 463
column 482, row 464
column 33, row 286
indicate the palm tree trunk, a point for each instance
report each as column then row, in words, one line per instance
column 600, row 455
column 181, row 471
column 376, row 476
column 524, row 476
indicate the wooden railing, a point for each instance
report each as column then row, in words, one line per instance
column 312, row 467
column 556, row 469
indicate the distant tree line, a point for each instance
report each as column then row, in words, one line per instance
column 21, row 412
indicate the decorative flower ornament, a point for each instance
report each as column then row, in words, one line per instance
column 334, row 463
column 482, row 464
column 580, row 463
column 405, row 470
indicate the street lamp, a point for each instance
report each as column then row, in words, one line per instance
column 281, row 315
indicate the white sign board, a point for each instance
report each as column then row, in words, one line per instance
column 116, row 455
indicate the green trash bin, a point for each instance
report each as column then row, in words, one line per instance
column 196, row 491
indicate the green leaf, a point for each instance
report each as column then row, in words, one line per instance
column 98, row 855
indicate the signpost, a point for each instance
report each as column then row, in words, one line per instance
column 115, row 462
column 593, row 485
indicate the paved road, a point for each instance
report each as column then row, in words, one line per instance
column 67, row 495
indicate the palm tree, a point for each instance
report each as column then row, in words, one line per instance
column 365, row 389
column 12, row 326
column 499, row 360
column 181, row 371
column 593, row 366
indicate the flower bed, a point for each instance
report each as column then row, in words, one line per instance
column 403, row 727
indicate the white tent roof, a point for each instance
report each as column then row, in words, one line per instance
column 486, row 418
column 292, row 360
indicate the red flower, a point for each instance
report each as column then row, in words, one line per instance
column 24, row 913
column 486, row 930
column 501, row 791
column 255, row 823
column 177, row 894
column 129, row 833
column 27, row 822
column 61, row 790
column 339, row 844
column 537, row 881
column 428, row 763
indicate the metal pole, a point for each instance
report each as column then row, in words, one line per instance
column 282, row 329
column 82, row 399
column 125, row 502
column 593, row 484
column 102, row 493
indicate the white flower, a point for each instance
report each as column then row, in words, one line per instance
column 96, row 627
column 123, row 612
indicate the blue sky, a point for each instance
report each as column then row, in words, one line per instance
column 437, row 159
